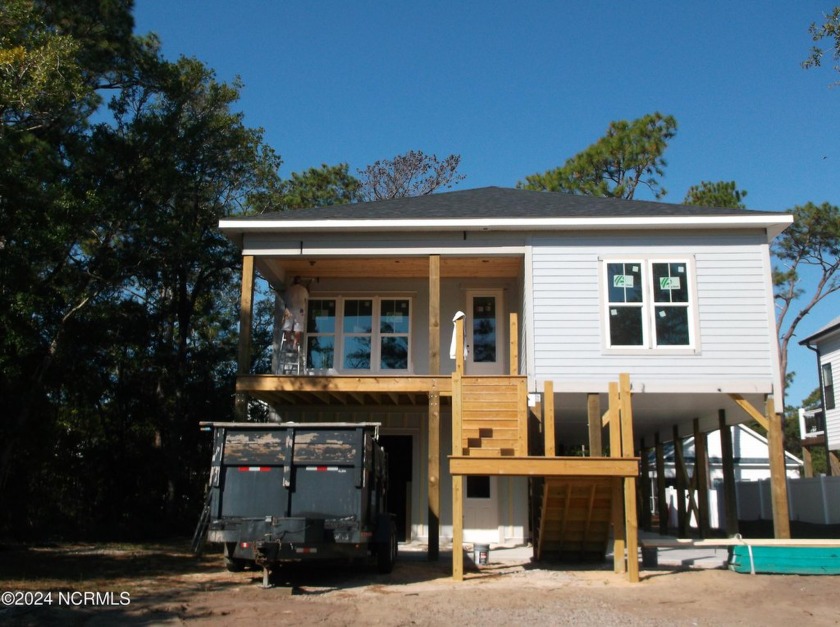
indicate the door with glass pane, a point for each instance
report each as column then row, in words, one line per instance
column 485, row 332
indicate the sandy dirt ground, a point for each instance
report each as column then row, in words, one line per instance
column 165, row 585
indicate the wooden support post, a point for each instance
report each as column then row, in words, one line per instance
column 807, row 462
column 593, row 410
column 246, row 300
column 458, row 480
column 778, row 476
column 631, row 526
column 434, row 410
column 458, row 528
column 644, row 507
column 730, row 496
column 661, row 504
column 434, row 477
column 614, row 422
column 833, row 464
column 548, row 408
column 682, row 484
column 701, row 474
column 513, row 352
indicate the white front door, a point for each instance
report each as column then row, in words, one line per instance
column 485, row 332
column 481, row 510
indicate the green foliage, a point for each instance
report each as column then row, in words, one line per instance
column 723, row 194
column 318, row 187
column 830, row 29
column 629, row 155
column 811, row 245
column 118, row 295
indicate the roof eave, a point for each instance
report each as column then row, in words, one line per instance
column 774, row 226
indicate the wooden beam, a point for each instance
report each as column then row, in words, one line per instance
column 778, row 475
column 434, row 476
column 730, row 497
column 513, row 351
column 751, row 410
column 833, row 464
column 544, row 466
column 661, row 505
column 593, row 412
column 417, row 384
column 548, row 408
column 701, row 474
column 246, row 300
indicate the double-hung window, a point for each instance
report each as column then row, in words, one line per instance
column 649, row 304
column 359, row 334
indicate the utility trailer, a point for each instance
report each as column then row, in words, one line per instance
column 293, row 492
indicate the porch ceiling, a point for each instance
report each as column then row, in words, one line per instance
column 281, row 268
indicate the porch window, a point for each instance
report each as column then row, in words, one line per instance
column 320, row 336
column 371, row 334
column 649, row 304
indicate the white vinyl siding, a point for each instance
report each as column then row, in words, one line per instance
column 830, row 354
column 733, row 319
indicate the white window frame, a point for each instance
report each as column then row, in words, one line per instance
column 376, row 336
column 648, row 306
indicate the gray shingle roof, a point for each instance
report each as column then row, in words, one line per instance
column 499, row 202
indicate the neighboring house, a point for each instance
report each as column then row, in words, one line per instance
column 826, row 423
column 560, row 291
column 750, row 459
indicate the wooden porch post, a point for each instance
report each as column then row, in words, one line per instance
column 593, row 410
column 457, row 480
column 548, row 408
column 631, row 521
column 808, row 462
column 246, row 300
column 701, row 474
column 434, row 410
column 661, row 505
column 619, row 565
column 778, row 476
column 729, row 489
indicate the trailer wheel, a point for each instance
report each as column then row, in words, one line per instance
column 235, row 564
column 386, row 553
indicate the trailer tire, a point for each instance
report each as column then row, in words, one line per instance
column 386, row 554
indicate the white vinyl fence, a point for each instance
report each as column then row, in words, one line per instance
column 812, row 500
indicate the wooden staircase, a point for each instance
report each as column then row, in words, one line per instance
column 575, row 518
column 493, row 416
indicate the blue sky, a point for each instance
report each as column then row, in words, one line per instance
column 519, row 87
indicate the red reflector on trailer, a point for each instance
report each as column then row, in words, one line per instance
column 254, row 468
column 244, row 545
column 323, row 468
column 306, row 550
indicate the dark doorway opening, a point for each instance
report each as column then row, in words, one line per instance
column 399, row 449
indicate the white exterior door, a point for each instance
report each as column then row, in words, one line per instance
column 485, row 332
column 481, row 510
